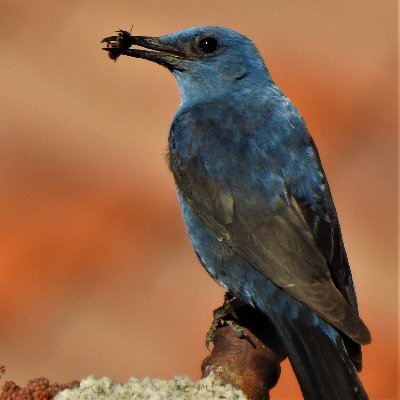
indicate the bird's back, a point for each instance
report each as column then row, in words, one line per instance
column 252, row 158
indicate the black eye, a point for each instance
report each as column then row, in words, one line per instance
column 208, row 45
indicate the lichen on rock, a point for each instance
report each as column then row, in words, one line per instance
column 180, row 388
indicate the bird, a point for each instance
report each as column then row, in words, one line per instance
column 256, row 201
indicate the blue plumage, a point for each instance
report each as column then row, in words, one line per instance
column 257, row 204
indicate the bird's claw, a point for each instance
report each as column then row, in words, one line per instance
column 211, row 333
column 223, row 315
column 239, row 331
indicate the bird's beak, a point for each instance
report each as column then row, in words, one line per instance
column 160, row 52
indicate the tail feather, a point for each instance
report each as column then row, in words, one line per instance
column 320, row 360
column 316, row 350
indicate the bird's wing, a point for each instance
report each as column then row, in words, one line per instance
column 275, row 238
column 324, row 225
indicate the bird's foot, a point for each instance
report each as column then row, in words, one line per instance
column 226, row 315
column 117, row 44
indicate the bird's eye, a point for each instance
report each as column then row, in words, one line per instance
column 208, row 45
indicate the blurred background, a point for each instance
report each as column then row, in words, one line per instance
column 97, row 275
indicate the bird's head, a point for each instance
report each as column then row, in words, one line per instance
column 206, row 61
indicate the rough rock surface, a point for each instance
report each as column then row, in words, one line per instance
column 180, row 388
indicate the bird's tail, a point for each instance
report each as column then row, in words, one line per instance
column 320, row 360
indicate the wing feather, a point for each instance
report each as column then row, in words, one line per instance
column 269, row 201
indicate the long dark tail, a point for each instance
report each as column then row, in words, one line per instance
column 319, row 359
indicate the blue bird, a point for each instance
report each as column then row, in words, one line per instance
column 257, row 204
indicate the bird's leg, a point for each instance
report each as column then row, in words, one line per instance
column 226, row 315
column 219, row 315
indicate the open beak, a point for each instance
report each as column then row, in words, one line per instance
column 159, row 52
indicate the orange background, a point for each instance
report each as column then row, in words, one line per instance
column 97, row 275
